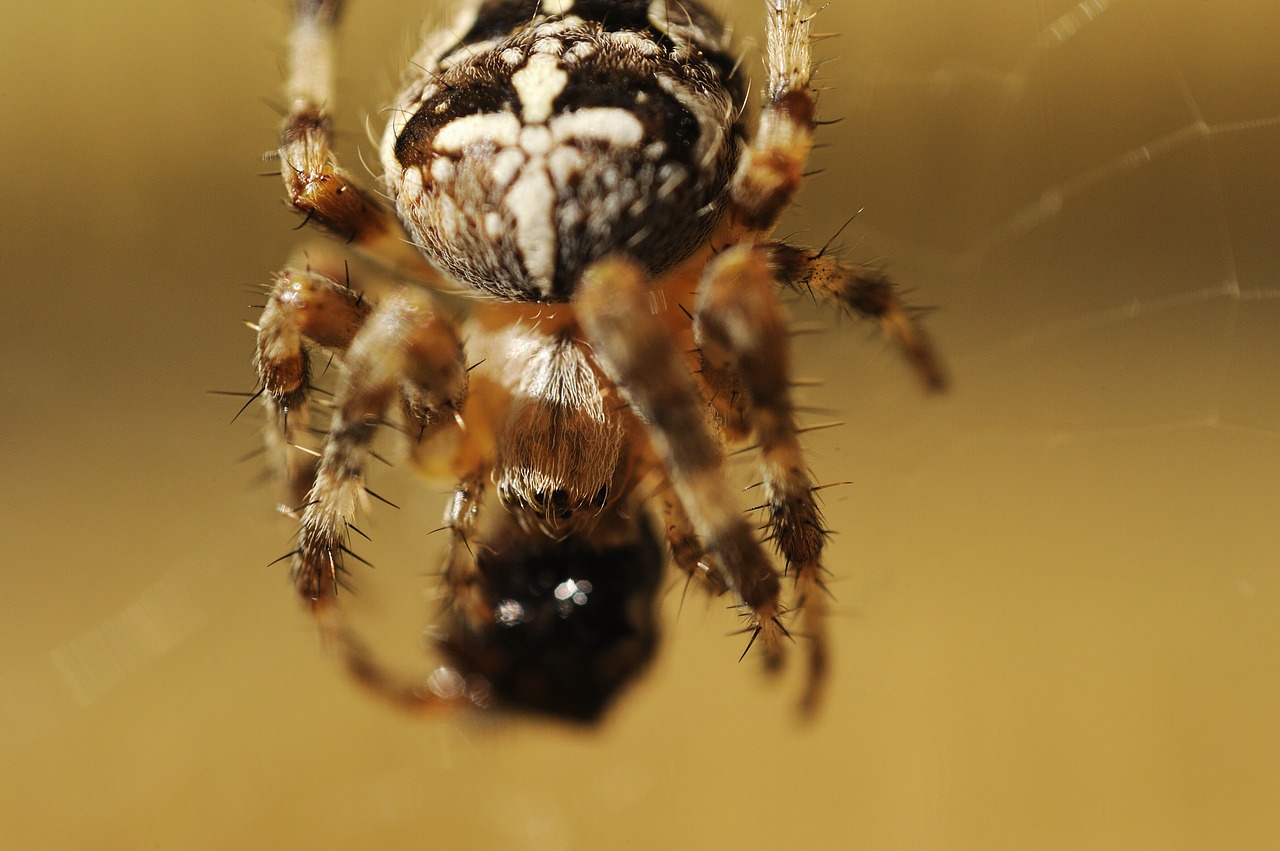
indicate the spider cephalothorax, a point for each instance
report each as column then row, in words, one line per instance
column 585, row 166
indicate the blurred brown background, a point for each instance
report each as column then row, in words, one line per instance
column 1059, row 596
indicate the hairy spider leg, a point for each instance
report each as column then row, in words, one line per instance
column 865, row 291
column 327, row 196
column 742, row 334
column 302, row 305
column 634, row 346
column 773, row 166
column 405, row 349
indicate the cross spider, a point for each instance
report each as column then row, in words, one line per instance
column 586, row 165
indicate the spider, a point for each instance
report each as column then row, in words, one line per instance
column 585, row 168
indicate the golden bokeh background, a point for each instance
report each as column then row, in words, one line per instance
column 1058, row 586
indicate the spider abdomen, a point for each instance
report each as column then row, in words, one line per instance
column 518, row 159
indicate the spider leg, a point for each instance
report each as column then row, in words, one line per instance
column 302, row 305
column 771, row 170
column 686, row 549
column 325, row 194
column 444, row 690
column 404, row 349
column 635, row 348
column 399, row 350
column 723, row 389
column 866, row 291
column 461, row 573
column 769, row 175
column 740, row 329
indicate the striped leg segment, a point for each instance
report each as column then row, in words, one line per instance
column 686, row 549
column 634, row 346
column 863, row 290
column 771, row 171
column 404, row 350
column 461, row 573
column 302, row 306
column 324, row 193
column 741, row 330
